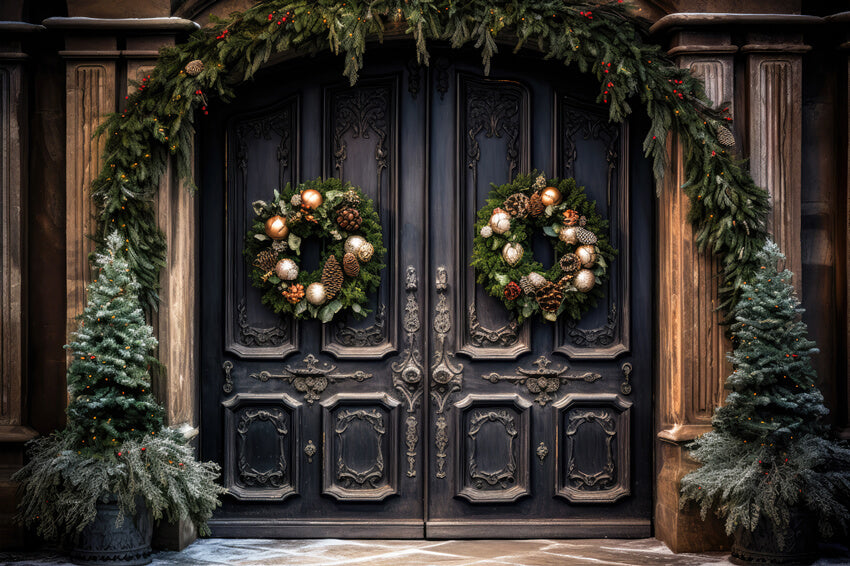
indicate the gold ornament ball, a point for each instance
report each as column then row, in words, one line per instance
column 276, row 228
column 316, row 294
column 584, row 280
column 500, row 221
column 365, row 252
column 550, row 196
column 311, row 198
column 512, row 253
column 569, row 235
column 286, row 269
column 354, row 243
column 587, row 255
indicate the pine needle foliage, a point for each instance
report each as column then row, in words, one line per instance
column 115, row 442
column 768, row 452
column 602, row 39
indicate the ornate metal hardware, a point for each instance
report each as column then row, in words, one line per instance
column 411, row 439
column 542, row 451
column 543, row 381
column 626, row 386
column 446, row 375
column 407, row 373
column 227, row 366
column 311, row 380
column 310, row 451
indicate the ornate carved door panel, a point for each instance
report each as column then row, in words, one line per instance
column 437, row 415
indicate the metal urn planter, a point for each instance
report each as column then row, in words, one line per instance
column 762, row 547
column 104, row 542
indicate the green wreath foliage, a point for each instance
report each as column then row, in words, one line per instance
column 354, row 293
column 496, row 274
column 728, row 210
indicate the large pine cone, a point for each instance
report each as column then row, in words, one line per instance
column 349, row 219
column 194, row 68
column 527, row 287
column 266, row 260
column 350, row 264
column 725, row 136
column 535, row 205
column 549, row 297
column 585, row 236
column 517, row 205
column 570, row 264
column 332, row 277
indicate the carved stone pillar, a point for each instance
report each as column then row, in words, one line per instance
column 14, row 429
column 775, row 124
column 692, row 348
column 102, row 57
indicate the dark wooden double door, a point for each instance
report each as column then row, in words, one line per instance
column 436, row 416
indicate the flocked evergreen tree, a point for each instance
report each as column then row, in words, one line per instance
column 115, row 442
column 768, row 452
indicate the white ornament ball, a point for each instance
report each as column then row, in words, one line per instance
column 500, row 221
column 316, row 294
column 365, row 252
column 286, row 269
column 568, row 235
column 584, row 280
column 486, row 231
column 512, row 253
column 536, row 279
column 353, row 243
column 587, row 255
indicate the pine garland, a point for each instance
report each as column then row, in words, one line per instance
column 728, row 210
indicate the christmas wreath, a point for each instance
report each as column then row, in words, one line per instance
column 501, row 251
column 344, row 218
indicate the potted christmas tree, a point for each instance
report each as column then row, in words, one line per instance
column 98, row 482
column 768, row 466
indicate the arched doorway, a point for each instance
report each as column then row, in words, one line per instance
column 436, row 416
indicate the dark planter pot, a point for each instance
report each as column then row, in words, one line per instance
column 762, row 547
column 104, row 543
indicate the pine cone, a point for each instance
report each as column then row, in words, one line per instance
column 585, row 236
column 517, row 205
column 535, row 205
column 350, row 264
column 349, row 219
column 266, row 260
column 194, row 68
column 571, row 217
column 512, row 291
column 725, row 136
column 293, row 293
column 549, row 297
column 565, row 281
column 351, row 197
column 527, row 287
column 332, row 277
column 570, row 264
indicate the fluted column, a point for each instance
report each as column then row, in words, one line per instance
column 692, row 348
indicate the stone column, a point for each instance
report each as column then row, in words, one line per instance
column 692, row 348
column 102, row 57
column 14, row 429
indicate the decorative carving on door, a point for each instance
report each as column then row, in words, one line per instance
column 259, row 337
column 593, row 431
column 407, row 373
column 414, row 77
column 594, row 337
column 310, row 379
column 543, row 381
column 494, row 112
column 310, row 451
column 257, row 468
column 362, row 337
column 360, row 458
column 482, row 337
column 492, row 447
column 411, row 439
column 446, row 375
column 542, row 451
column 227, row 387
column 362, row 112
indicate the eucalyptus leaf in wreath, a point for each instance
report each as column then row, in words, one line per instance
column 315, row 223
column 573, row 294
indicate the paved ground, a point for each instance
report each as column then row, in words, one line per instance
column 333, row 552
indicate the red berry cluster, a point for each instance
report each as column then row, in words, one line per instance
column 223, row 34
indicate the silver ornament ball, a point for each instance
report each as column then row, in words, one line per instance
column 286, row 269
column 512, row 253
column 353, row 243
column 316, row 294
column 568, row 235
column 500, row 221
column 584, row 280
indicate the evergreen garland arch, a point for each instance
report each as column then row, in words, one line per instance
column 728, row 209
